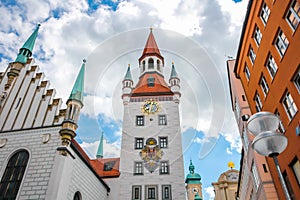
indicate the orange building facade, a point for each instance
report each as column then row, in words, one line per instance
column 266, row 77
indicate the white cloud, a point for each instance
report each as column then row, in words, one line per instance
column 229, row 152
column 210, row 192
column 65, row 41
column 110, row 150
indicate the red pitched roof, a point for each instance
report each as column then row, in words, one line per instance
column 151, row 47
column 160, row 86
column 98, row 164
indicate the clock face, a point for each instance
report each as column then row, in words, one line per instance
column 195, row 190
column 232, row 176
column 150, row 107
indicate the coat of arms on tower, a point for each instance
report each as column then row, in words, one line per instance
column 151, row 154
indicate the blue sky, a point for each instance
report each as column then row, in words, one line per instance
column 73, row 30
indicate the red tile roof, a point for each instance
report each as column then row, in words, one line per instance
column 98, row 164
column 160, row 86
column 151, row 48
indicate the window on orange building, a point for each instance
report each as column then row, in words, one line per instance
column 281, row 126
column 293, row 15
column 296, row 80
column 289, row 105
column 264, row 85
column 288, row 185
column 247, row 72
column 252, row 55
column 258, row 103
column 281, row 43
column 257, row 35
column 271, row 66
column 295, row 165
column 265, row 13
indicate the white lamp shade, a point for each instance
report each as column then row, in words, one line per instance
column 262, row 122
column 269, row 142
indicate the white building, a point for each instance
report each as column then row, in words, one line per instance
column 151, row 162
column 40, row 159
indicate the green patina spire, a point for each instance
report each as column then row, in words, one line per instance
column 128, row 74
column 77, row 91
column 192, row 177
column 100, row 148
column 26, row 51
column 191, row 167
column 173, row 72
column 197, row 197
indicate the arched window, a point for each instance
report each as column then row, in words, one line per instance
column 150, row 63
column 158, row 65
column 143, row 66
column 77, row 196
column 13, row 175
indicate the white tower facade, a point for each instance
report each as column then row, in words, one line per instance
column 151, row 162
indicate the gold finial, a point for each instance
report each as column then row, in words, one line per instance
column 172, row 62
column 151, row 28
column 231, row 164
column 128, row 65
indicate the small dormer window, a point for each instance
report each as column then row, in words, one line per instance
column 150, row 63
column 150, row 81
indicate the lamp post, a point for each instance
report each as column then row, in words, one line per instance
column 267, row 141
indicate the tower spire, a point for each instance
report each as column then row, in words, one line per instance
column 26, row 51
column 151, row 47
column 128, row 74
column 74, row 105
column 173, row 72
column 100, row 148
column 77, row 91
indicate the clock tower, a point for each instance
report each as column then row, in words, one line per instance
column 151, row 162
column 193, row 184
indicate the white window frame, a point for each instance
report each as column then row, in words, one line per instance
column 257, row 35
column 289, row 105
column 164, row 196
column 258, row 102
column 296, row 80
column 293, row 16
column 281, row 126
column 139, row 187
column 139, row 143
column 140, row 120
column 247, row 72
column 281, row 43
column 163, row 142
column 272, row 66
column 164, row 167
column 264, row 85
column 138, row 168
column 252, row 55
column 265, row 13
column 162, row 120
column 147, row 187
column 255, row 176
column 296, row 169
